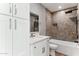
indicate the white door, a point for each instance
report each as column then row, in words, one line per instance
column 6, row 8
column 21, row 10
column 40, row 49
column 5, row 35
column 21, row 37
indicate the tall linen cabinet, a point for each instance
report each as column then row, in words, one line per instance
column 14, row 29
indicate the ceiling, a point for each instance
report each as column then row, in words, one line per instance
column 55, row 6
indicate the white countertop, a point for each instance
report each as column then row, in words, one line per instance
column 39, row 38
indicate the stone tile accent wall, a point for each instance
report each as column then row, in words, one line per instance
column 60, row 26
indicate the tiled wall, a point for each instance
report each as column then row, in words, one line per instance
column 78, row 19
column 48, row 23
column 61, row 26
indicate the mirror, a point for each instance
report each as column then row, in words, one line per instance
column 34, row 22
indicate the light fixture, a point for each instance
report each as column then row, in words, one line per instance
column 59, row 7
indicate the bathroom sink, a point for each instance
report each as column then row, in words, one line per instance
column 38, row 38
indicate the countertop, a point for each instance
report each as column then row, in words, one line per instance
column 34, row 40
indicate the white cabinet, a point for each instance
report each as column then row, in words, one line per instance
column 6, row 8
column 40, row 48
column 20, row 37
column 5, row 35
column 14, row 29
column 21, row 10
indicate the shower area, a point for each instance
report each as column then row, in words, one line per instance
column 63, row 24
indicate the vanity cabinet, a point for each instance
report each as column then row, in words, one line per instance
column 40, row 48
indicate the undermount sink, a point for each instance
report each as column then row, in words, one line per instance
column 34, row 34
column 35, row 37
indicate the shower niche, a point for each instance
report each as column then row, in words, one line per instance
column 34, row 22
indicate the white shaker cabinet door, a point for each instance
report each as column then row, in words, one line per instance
column 21, row 37
column 21, row 10
column 5, row 36
column 40, row 49
column 6, row 8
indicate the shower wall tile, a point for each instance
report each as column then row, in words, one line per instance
column 65, row 29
